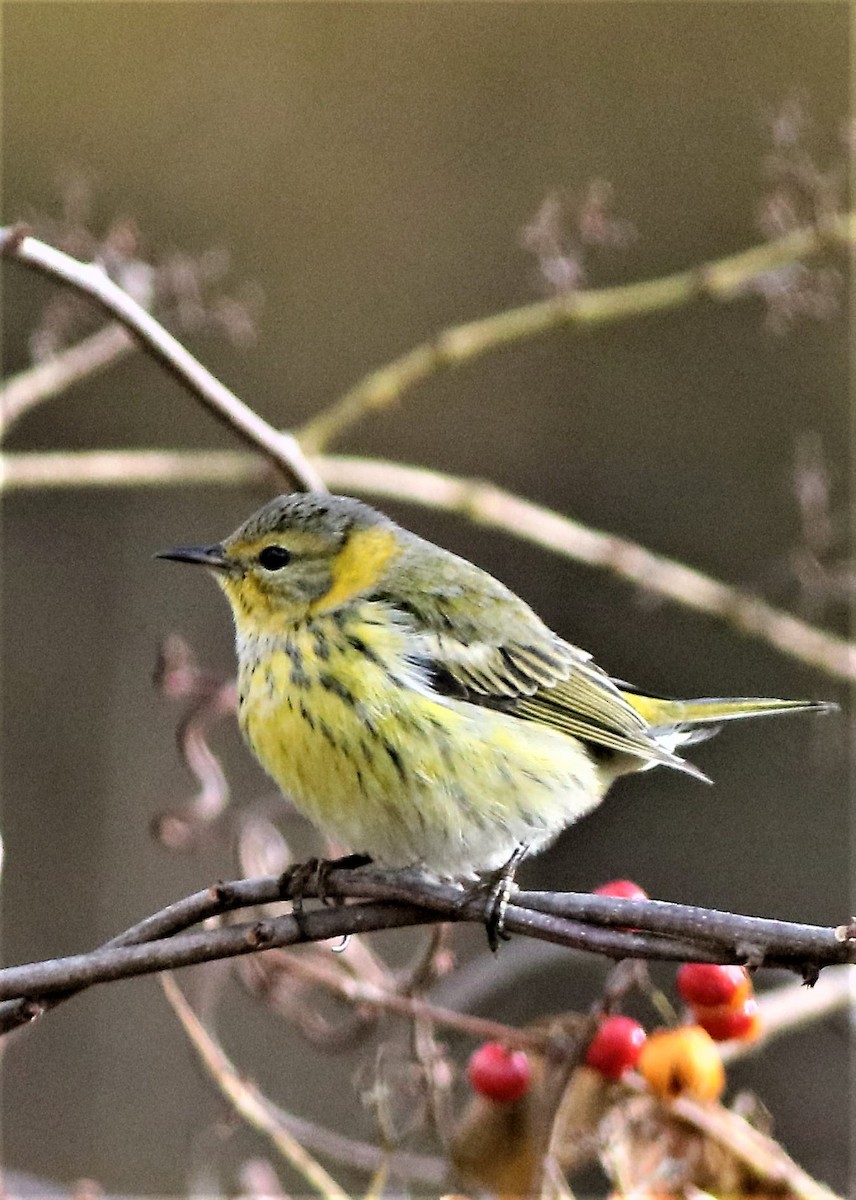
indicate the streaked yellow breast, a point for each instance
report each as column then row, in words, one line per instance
column 345, row 725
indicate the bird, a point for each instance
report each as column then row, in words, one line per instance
column 416, row 709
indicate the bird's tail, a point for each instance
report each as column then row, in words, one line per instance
column 673, row 724
column 660, row 713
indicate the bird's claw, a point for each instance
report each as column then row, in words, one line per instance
column 316, row 872
column 497, row 889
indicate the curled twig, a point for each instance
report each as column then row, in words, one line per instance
column 209, row 700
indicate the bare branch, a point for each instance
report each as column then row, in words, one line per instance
column 131, row 468
column 273, row 1121
column 246, row 1099
column 490, row 505
column 722, row 280
column 395, row 899
column 29, row 388
column 91, row 280
column 362, row 993
column 472, row 498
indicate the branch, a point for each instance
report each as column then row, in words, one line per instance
column 655, row 574
column 130, row 468
column 29, row 388
column 722, row 280
column 247, row 1100
column 759, row 1152
column 92, row 281
column 396, row 899
column 283, row 1128
column 471, row 498
column 362, row 993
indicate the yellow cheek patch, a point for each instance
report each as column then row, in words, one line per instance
column 358, row 566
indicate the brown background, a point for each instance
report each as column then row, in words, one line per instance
column 371, row 167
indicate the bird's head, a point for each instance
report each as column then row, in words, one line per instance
column 300, row 555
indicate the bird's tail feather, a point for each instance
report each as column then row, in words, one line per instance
column 660, row 713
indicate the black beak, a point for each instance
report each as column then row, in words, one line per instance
column 205, row 556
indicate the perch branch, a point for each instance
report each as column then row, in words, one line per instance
column 396, row 899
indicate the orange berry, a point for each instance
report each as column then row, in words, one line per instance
column 731, row 1022
column 682, row 1062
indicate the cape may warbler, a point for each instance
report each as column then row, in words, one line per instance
column 413, row 707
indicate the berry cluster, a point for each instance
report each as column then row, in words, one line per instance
column 681, row 1061
column 721, row 1000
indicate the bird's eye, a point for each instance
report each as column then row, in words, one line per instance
column 274, row 557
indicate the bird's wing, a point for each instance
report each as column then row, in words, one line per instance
column 475, row 640
column 543, row 679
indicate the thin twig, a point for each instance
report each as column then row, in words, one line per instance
column 252, row 1105
column 476, row 500
column 245, row 1099
column 131, row 468
column 784, row 1009
column 721, row 280
column 760, row 1153
column 91, row 280
column 360, row 992
column 29, row 388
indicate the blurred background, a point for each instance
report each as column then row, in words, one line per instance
column 371, row 171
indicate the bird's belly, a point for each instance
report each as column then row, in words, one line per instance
column 409, row 778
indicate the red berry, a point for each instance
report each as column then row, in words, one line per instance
column 498, row 1073
column 710, row 984
column 730, row 1022
column 616, row 1046
column 625, row 888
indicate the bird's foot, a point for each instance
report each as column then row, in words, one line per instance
column 347, row 862
column 497, row 888
column 316, row 872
